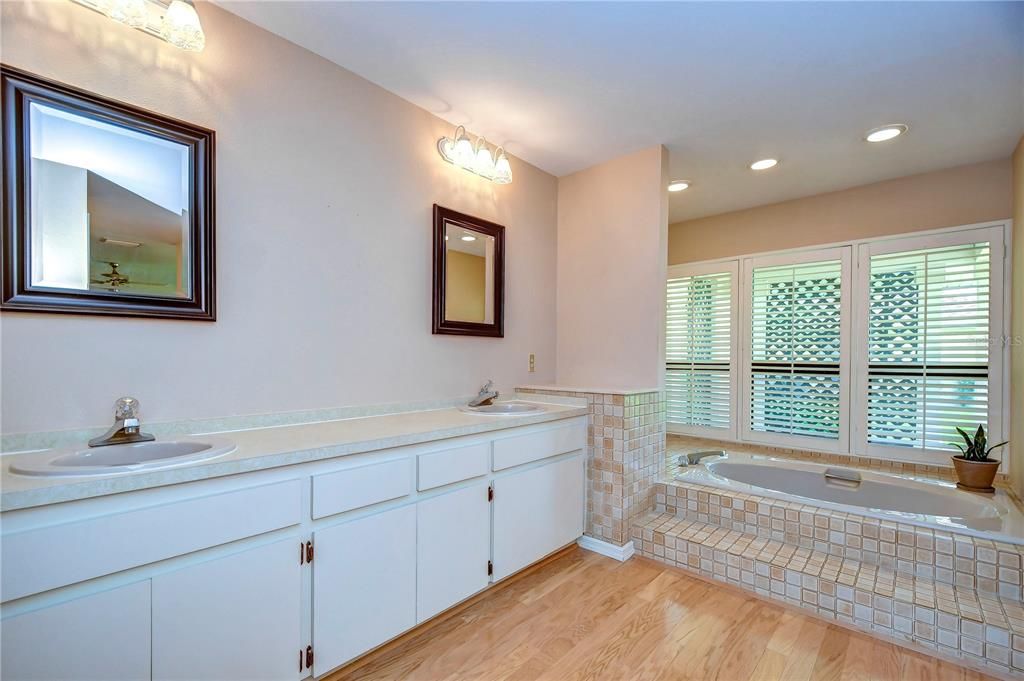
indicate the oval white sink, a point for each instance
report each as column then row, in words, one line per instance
column 505, row 409
column 126, row 458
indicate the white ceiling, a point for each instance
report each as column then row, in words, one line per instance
column 568, row 85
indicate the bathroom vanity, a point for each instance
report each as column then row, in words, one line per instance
column 303, row 549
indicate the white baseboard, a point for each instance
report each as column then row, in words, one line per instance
column 619, row 553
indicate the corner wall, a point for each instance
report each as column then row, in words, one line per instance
column 1017, row 328
column 612, row 241
column 325, row 184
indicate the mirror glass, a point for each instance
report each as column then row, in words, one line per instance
column 469, row 275
column 109, row 208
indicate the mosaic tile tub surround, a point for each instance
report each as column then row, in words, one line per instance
column 625, row 458
column 957, row 595
column 946, row 557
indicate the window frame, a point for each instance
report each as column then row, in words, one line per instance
column 996, row 235
column 695, row 270
column 999, row 235
column 844, row 254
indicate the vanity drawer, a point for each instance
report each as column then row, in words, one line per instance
column 357, row 487
column 452, row 465
column 520, row 449
column 49, row 557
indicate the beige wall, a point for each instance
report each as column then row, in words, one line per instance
column 1017, row 329
column 612, row 241
column 464, row 286
column 956, row 196
column 325, row 184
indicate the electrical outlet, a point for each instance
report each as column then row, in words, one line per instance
column 533, row 362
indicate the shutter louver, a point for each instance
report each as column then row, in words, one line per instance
column 928, row 349
column 698, row 351
column 795, row 349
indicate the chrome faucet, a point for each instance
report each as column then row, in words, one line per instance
column 693, row 458
column 126, row 428
column 486, row 395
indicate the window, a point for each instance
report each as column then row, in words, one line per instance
column 933, row 312
column 796, row 322
column 882, row 355
column 700, row 327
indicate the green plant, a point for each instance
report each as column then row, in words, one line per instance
column 975, row 450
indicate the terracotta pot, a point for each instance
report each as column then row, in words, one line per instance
column 975, row 476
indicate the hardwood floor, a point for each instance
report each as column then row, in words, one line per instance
column 584, row 616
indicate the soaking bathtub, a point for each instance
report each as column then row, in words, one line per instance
column 902, row 498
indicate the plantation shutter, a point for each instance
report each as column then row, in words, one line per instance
column 698, row 350
column 928, row 345
column 795, row 343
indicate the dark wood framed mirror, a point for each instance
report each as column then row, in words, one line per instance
column 469, row 275
column 107, row 208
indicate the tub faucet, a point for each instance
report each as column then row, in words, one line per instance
column 693, row 458
column 126, row 428
column 486, row 395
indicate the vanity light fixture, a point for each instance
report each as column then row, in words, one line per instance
column 678, row 185
column 764, row 164
column 886, row 132
column 476, row 158
column 174, row 21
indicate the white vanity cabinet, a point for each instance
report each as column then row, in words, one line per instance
column 283, row 573
column 364, row 585
column 235, row 618
column 537, row 511
column 101, row 637
column 453, row 548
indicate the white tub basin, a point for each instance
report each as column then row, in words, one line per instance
column 505, row 409
column 126, row 458
column 897, row 497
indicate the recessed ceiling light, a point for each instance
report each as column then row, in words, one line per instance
column 764, row 164
column 468, row 237
column 678, row 185
column 886, row 132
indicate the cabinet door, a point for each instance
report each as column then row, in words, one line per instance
column 364, row 585
column 536, row 511
column 453, row 546
column 235, row 617
column 102, row 637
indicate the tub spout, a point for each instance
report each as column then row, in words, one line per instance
column 693, row 458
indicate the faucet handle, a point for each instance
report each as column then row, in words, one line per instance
column 126, row 408
column 487, row 386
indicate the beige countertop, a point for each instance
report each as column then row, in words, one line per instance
column 271, row 447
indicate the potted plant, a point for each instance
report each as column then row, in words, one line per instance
column 975, row 471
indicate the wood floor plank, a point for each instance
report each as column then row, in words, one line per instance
column 697, row 637
column 628, row 638
column 585, row 617
column 831, row 656
column 868, row 659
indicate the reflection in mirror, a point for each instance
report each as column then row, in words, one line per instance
column 109, row 207
column 469, row 275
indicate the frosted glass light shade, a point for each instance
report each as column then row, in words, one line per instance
column 464, row 155
column 502, row 170
column 484, row 162
column 181, row 27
